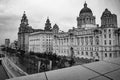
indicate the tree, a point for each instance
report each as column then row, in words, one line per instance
column 71, row 62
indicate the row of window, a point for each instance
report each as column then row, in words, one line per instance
column 86, row 19
column 91, row 54
column 105, row 35
column 86, row 42
column 105, row 42
column 108, row 55
column 38, row 49
column 86, row 48
column 41, row 39
column 105, row 30
column 86, row 53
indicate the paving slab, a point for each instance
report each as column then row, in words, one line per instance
column 100, row 78
column 71, row 73
column 115, row 75
column 102, row 67
column 114, row 61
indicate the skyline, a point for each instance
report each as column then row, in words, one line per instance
column 63, row 13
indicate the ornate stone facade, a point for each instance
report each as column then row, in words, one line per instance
column 87, row 40
column 90, row 40
column 42, row 41
column 23, row 34
column 85, row 17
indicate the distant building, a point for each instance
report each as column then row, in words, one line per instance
column 14, row 45
column 23, row 34
column 42, row 41
column 90, row 40
column 7, row 42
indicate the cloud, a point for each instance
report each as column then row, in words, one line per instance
column 62, row 12
column 8, row 27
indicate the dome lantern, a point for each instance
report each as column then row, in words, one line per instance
column 85, row 5
column 85, row 10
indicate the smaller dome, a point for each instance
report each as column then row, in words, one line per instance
column 55, row 26
column 85, row 9
column 106, row 13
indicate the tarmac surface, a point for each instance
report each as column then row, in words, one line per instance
column 3, row 74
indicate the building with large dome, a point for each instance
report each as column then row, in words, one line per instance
column 86, row 18
column 87, row 40
column 90, row 40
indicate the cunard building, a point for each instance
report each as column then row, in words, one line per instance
column 90, row 40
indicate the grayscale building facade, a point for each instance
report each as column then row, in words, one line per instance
column 23, row 33
column 89, row 40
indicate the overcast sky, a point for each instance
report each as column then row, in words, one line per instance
column 61, row 12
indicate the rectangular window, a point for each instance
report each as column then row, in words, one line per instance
column 82, row 40
column 72, row 40
column 109, row 30
column 105, row 49
column 86, row 53
column 104, row 35
column 91, row 54
column 105, row 42
column 110, row 49
column 109, row 35
column 109, row 42
column 105, row 31
column 110, row 54
column 82, row 53
column 78, row 40
column 105, row 54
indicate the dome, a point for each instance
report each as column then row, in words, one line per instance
column 55, row 26
column 106, row 12
column 85, row 9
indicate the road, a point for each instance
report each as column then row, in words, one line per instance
column 3, row 74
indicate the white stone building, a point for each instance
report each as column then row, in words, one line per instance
column 42, row 41
column 90, row 40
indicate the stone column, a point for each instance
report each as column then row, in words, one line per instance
column 50, row 65
column 39, row 64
